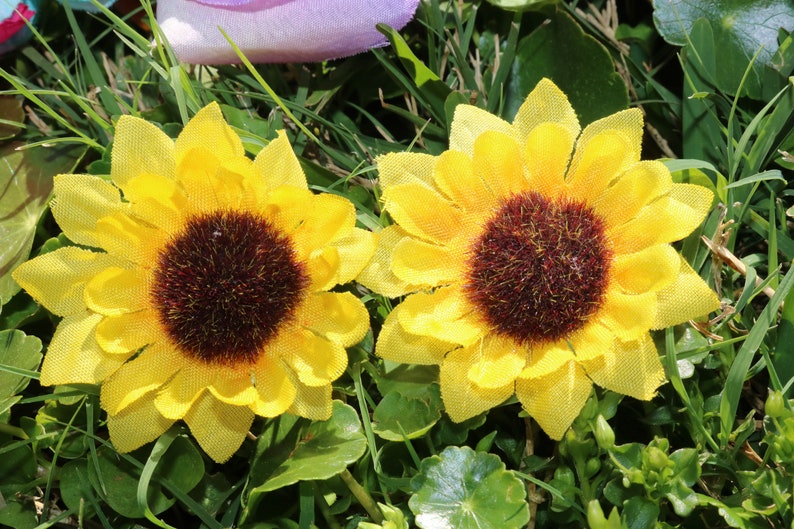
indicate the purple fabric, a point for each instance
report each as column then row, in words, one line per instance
column 278, row 30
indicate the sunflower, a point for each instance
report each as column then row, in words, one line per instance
column 200, row 289
column 536, row 259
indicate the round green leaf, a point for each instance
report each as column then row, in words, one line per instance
column 399, row 417
column 462, row 489
column 20, row 356
column 76, row 489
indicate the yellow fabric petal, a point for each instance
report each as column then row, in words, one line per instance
column 157, row 200
column 496, row 362
column 57, row 279
column 125, row 238
column 377, row 274
column 422, row 263
column 74, row 357
column 547, row 152
column 642, row 183
column 423, row 212
column 553, row 389
column 323, row 268
column 499, row 162
column 275, row 392
column 631, row 368
column 355, row 250
column 443, row 315
column 462, row 398
column 396, row 344
column 399, row 168
column 688, row 297
column 339, row 317
column 626, row 123
column 670, row 218
column 128, row 332
column 278, row 164
column 140, row 147
column 208, row 130
column 469, row 122
column 598, row 162
column 137, row 425
column 314, row 359
column 454, row 176
column 220, row 429
column 312, row 402
column 208, row 185
column 234, row 386
column 178, row 395
column 546, row 104
column 648, row 270
column 141, row 375
column 327, row 218
column 115, row 291
column 286, row 206
column 79, row 201
column 628, row 316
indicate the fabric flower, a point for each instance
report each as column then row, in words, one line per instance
column 278, row 30
column 14, row 19
column 201, row 289
column 537, row 259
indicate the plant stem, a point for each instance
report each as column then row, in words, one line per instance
column 362, row 496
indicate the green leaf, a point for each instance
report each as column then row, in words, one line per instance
column 575, row 61
column 398, row 417
column 25, row 187
column 523, row 5
column 10, row 111
column 467, row 490
column 640, row 513
column 783, row 358
column 76, row 489
column 18, row 354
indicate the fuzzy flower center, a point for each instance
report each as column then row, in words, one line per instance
column 224, row 285
column 540, row 268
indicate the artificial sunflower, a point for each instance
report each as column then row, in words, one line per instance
column 201, row 286
column 537, row 259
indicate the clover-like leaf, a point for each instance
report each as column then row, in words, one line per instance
column 462, row 489
column 19, row 358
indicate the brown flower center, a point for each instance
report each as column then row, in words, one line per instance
column 224, row 285
column 540, row 268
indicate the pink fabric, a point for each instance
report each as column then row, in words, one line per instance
column 278, row 30
column 10, row 26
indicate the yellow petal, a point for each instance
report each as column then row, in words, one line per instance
column 546, row 104
column 454, row 176
column 275, row 392
column 286, row 206
column 400, row 168
column 57, row 279
column 315, row 360
column 626, row 123
column 422, row 263
column 178, row 395
column 355, row 250
column 496, row 362
column 147, row 372
column 553, row 389
column 648, row 270
column 598, row 162
column 208, row 130
column 688, row 297
column 74, row 357
column 327, row 218
column 127, row 239
column 219, row 428
column 208, row 186
column 443, row 315
column 128, row 332
column 157, row 200
column 377, row 274
column 463, row 399
column 338, row 317
column 312, row 402
column 140, row 147
column 628, row 316
column 397, row 345
column 499, row 162
column 115, row 291
column 469, row 122
column 323, row 268
column 137, row 425
column 278, row 164
column 547, row 152
column 642, row 183
column 234, row 386
column 423, row 212
column 79, row 201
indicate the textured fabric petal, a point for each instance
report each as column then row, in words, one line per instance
column 444, row 315
column 423, row 212
column 462, row 398
column 205, row 183
column 328, row 217
column 234, row 386
column 628, row 316
column 355, row 250
column 275, row 392
column 140, row 147
column 498, row 160
column 396, row 344
column 547, row 152
column 286, row 206
column 127, row 239
column 469, row 122
column 286, row 31
column 553, row 389
column 323, row 267
column 496, row 362
column 79, row 201
column 598, row 162
column 419, row 262
column 157, row 200
column 127, row 332
column 312, row 402
column 688, row 297
column 642, row 183
column 339, row 317
column 545, row 104
column 141, row 375
column 648, row 270
column 399, row 168
column 57, row 279
column 631, row 368
column 208, row 130
column 278, row 164
column 314, row 359
column 220, row 429
column 114, row 291
column 137, row 425
column 377, row 274
column 454, row 176
column 178, row 395
column 74, row 357
column 626, row 123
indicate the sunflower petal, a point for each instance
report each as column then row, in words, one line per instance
column 688, row 297
column 157, row 200
column 178, row 395
column 597, row 162
column 355, row 250
column 275, row 392
column 328, row 217
column 127, row 239
column 497, row 362
column 279, row 165
column 648, row 270
column 339, row 317
column 138, row 424
column 209, row 130
column 641, row 184
column 423, row 212
column 80, row 200
column 629, row 316
column 463, row 399
column 377, row 274
column 546, row 104
column 423, row 263
column 126, row 333
column 400, row 168
column 234, row 387
column 547, row 152
column 314, row 359
column 469, row 122
column 499, row 162
column 312, row 402
column 115, row 291
column 140, row 147
column 219, row 428
column 396, row 344
column 443, row 315
column 454, row 176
